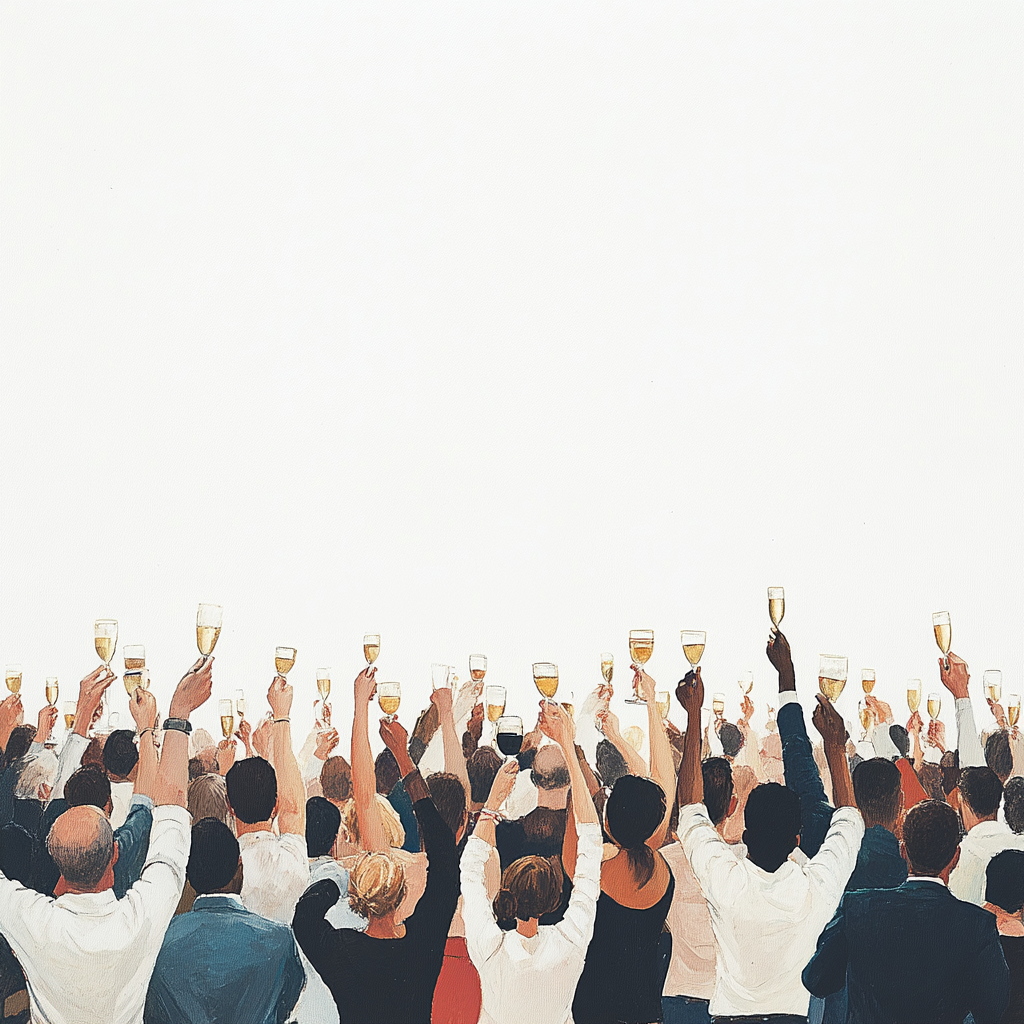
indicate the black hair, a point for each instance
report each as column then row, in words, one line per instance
column 718, row 787
column 931, row 834
column 900, row 738
column 387, row 772
column 771, row 821
column 449, row 796
column 17, row 852
column 213, row 856
column 611, row 765
column 1013, row 803
column 877, row 788
column 119, row 753
column 483, row 767
column 635, row 809
column 17, row 744
column 323, row 820
column 731, row 739
column 997, row 753
column 252, row 790
column 981, row 789
column 88, row 785
column 1004, row 885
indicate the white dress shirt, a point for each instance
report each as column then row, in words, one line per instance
column 120, row 800
column 691, row 971
column 967, row 742
column 275, row 873
column 767, row 923
column 531, row 979
column 88, row 957
column 977, row 848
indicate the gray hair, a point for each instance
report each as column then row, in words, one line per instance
column 38, row 771
column 82, row 864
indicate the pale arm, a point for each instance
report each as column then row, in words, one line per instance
column 142, row 705
column 662, row 766
column 171, row 785
column 373, row 838
column 454, row 761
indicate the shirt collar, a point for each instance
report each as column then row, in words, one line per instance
column 927, row 878
column 231, row 897
column 988, row 828
column 86, row 902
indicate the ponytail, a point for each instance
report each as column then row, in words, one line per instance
column 641, row 864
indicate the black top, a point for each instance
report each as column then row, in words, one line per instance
column 1013, row 950
column 386, row 981
column 622, row 979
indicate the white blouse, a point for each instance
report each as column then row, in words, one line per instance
column 531, row 979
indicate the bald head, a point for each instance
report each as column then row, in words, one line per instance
column 81, row 844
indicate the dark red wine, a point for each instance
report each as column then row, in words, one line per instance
column 510, row 743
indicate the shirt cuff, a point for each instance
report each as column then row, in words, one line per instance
column 36, row 748
column 141, row 800
column 788, row 697
column 961, row 703
column 172, row 812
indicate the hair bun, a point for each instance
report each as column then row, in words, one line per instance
column 505, row 907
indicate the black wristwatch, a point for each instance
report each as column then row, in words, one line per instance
column 178, row 724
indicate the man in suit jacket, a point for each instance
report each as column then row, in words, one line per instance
column 914, row 953
column 221, row 963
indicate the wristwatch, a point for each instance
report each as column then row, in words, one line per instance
column 179, row 724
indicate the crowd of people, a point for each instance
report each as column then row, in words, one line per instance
column 152, row 875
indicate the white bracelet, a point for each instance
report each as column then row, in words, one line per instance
column 495, row 816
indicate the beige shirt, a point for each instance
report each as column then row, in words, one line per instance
column 275, row 873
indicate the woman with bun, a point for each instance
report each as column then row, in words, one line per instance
column 529, row 972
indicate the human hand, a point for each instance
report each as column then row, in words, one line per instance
column 937, row 734
column 395, row 738
column 441, row 698
column 142, row 705
column 475, row 725
column 10, row 710
column 744, row 781
column 690, row 693
column 956, row 677
column 365, row 687
column 608, row 723
column 881, row 711
column 915, row 724
column 532, row 739
column 46, row 721
column 261, row 739
column 997, row 711
column 643, row 684
column 779, row 654
column 244, row 733
column 557, row 725
column 91, row 690
column 748, row 709
column 325, row 743
column 280, row 696
column 225, row 756
column 194, row 688
column 829, row 723
column 502, row 785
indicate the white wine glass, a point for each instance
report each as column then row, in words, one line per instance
column 641, row 647
column 943, row 630
column 1013, row 709
column 133, row 680
column 323, row 685
column 70, row 708
column 208, row 622
column 545, row 678
column 867, row 679
column 508, row 734
column 865, row 716
column 477, row 667
column 240, row 703
column 371, row 647
column 745, row 683
column 913, row 694
column 832, row 673
column 12, row 676
column 718, row 704
column 134, row 656
column 104, row 633
column 776, row 604
column 440, row 675
column 607, row 666
column 693, row 645
column 52, row 690
column 494, row 704
column 284, row 660
column 934, row 705
column 226, row 710
column 993, row 684
column 389, row 697
column 664, row 701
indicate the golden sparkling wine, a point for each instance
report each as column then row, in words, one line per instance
column 105, row 646
column 570, row 709
column 132, row 681
column 832, row 688
column 227, row 725
column 370, row 652
column 865, row 718
column 548, row 685
column 284, row 665
column 718, row 706
column 324, row 686
column 13, row 680
column 69, row 721
column 913, row 699
column 495, row 711
column 994, row 692
column 934, row 707
column 206, row 639
column 664, row 704
column 1013, row 713
column 52, row 691
column 943, row 635
column 640, row 651
column 693, row 652
column 390, row 705
column 867, row 680
column 133, row 663
column 608, row 665
column 776, row 605
column 476, row 674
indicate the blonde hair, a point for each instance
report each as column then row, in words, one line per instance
column 389, row 818
column 376, row 885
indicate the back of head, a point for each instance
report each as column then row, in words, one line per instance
column 449, row 796
column 392, row 823
column 981, row 790
column 877, row 789
column 208, row 798
column 997, row 754
column 900, row 738
column 322, row 822
column 81, row 843
column 88, row 785
column 252, row 790
column 931, row 835
column 771, row 822
column 635, row 809
column 200, row 739
column 119, row 753
column 949, row 765
column 195, row 769
column 94, row 752
column 39, row 771
column 1013, row 803
column 930, row 776
column 376, row 885
column 17, row 850
column 336, row 779
column 530, row 887
column 717, row 774
column 611, row 765
column 18, row 743
column 387, row 772
column 731, row 739
column 483, row 767
column 549, row 770
column 1004, row 881
column 213, row 856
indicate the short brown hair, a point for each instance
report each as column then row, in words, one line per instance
column 931, row 834
column 530, row 887
column 336, row 779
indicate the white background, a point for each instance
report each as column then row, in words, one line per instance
column 508, row 328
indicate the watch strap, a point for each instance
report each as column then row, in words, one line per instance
column 179, row 725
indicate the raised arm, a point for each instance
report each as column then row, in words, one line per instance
column 171, row 785
column 690, row 693
column 10, row 714
column 90, row 693
column 830, row 724
column 454, row 761
column 291, row 792
column 955, row 679
column 609, row 723
column 373, row 838
column 142, row 705
column 662, row 767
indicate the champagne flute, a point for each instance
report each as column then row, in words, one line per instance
column 545, row 678
column 641, row 647
column 105, row 639
column 208, row 622
column 1013, row 708
column 934, row 705
column 993, row 684
column 509, row 734
column 664, row 702
column 12, row 676
column 864, row 712
column 718, row 704
column 52, row 690
column 440, row 675
column 943, row 634
column 477, row 667
column 745, row 683
column 389, row 697
column 832, row 672
column 693, row 644
column 240, row 703
column 607, row 666
column 494, row 704
column 570, row 706
column 913, row 694
column 867, row 679
column 226, row 710
column 776, row 604
column 371, row 647
column 323, row 683
column 134, row 656
column 133, row 680
column 70, row 708
column 284, row 659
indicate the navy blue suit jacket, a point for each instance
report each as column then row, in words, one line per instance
column 911, row 954
column 803, row 778
column 223, row 964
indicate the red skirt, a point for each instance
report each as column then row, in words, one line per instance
column 457, row 998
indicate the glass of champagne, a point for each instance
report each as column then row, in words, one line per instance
column 867, row 679
column 913, row 694
column 323, row 683
column 776, row 604
column 607, row 666
column 664, row 701
column 1013, row 708
column 832, row 672
column 12, row 676
column 440, row 675
column 693, row 645
column 509, row 734
column 943, row 634
column 284, row 659
column 634, row 736
column 240, row 703
column 52, row 690
column 70, row 708
column 494, row 704
column 133, row 680
column 389, row 697
column 745, row 682
column 641, row 647
column 993, row 684
column 934, row 705
column 226, row 710
column 545, row 678
column 864, row 712
column 208, row 622
column 718, row 704
column 477, row 667
column 371, row 647
column 134, row 656
column 105, row 638
column 570, row 706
